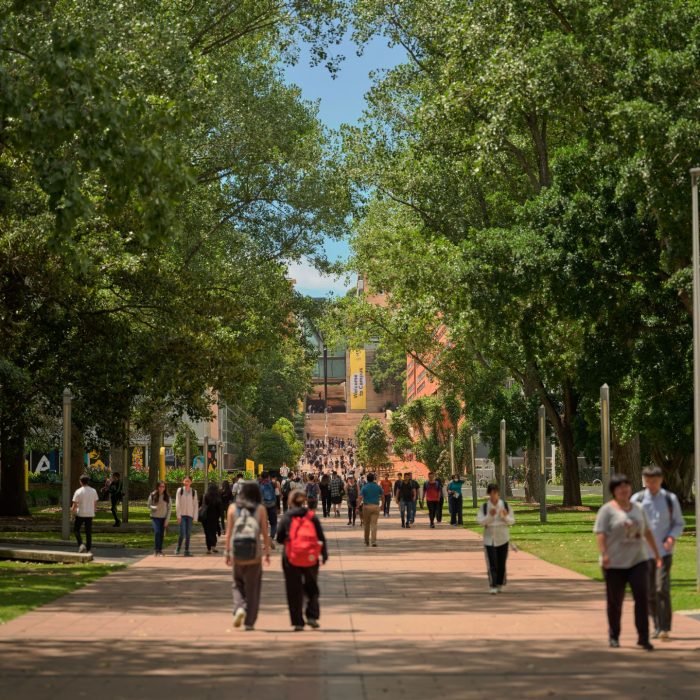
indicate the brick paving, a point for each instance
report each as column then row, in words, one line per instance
column 409, row 619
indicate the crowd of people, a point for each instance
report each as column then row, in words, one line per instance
column 635, row 534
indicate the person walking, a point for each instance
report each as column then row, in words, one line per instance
column 387, row 488
column 371, row 496
column 414, row 502
column 269, row 501
column 441, row 502
column 406, row 496
column 304, row 543
column 116, row 494
column 455, row 500
column 313, row 491
column 666, row 521
column 247, row 542
column 336, row 492
column 186, row 509
column 325, row 486
column 159, row 505
column 496, row 516
column 431, row 495
column 227, row 499
column 621, row 528
column 352, row 493
column 83, row 506
column 210, row 517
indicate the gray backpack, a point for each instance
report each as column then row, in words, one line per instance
column 246, row 536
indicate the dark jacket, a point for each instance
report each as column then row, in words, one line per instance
column 285, row 524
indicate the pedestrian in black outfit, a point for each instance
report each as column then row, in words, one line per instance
column 325, row 485
column 300, row 540
column 116, row 494
column 226, row 501
column 210, row 516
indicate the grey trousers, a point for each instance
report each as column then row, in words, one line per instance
column 660, row 594
column 247, row 584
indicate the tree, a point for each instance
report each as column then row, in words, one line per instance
column 285, row 428
column 272, row 450
column 389, row 370
column 372, row 444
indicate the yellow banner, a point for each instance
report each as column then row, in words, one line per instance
column 358, row 389
column 250, row 466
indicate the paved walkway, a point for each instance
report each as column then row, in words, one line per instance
column 409, row 619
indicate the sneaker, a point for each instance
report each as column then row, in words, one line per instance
column 614, row 643
column 313, row 623
column 177, row 551
column 82, row 549
column 499, row 589
column 208, row 551
column 403, row 524
column 188, row 554
column 366, row 544
column 408, row 527
column 432, row 526
column 493, row 590
column 238, row 617
column 656, row 634
column 374, row 544
column 298, row 628
column 116, row 525
column 249, row 628
column 215, row 550
column 665, row 636
column 648, row 646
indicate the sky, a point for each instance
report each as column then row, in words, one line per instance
column 340, row 100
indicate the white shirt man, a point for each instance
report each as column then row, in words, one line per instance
column 84, row 500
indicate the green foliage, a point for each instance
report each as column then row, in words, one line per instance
column 180, row 443
column 372, row 444
column 286, row 429
column 389, row 369
column 272, row 450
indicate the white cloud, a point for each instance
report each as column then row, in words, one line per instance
column 308, row 280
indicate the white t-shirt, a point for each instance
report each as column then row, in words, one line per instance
column 86, row 497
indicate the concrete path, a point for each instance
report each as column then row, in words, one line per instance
column 409, row 619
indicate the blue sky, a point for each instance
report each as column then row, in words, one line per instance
column 339, row 101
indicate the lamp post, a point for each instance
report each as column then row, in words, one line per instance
column 188, row 453
column 605, row 438
column 452, row 453
column 206, row 462
column 475, row 495
column 65, row 487
column 542, row 420
column 694, row 176
column 503, row 458
column 220, row 460
column 325, row 378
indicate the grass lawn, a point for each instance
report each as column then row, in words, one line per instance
column 48, row 526
column 24, row 586
column 567, row 539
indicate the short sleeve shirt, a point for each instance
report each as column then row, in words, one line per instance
column 86, row 497
column 372, row 493
column 624, row 534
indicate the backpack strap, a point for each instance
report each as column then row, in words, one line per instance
column 507, row 507
column 669, row 505
column 483, row 508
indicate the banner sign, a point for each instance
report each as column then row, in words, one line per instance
column 358, row 394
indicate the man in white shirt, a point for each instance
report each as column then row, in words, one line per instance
column 496, row 516
column 84, row 500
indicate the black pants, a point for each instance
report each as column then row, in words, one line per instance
column 79, row 522
column 210, row 528
column 496, row 558
column 352, row 511
column 326, row 502
column 301, row 582
column 616, row 581
column 387, row 504
column 441, row 505
column 660, row 594
column 456, row 514
column 433, row 507
column 115, row 501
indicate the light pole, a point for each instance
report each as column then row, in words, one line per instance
column 206, row 462
column 65, row 487
column 188, row 453
column 452, row 453
column 220, row 460
column 543, row 458
column 694, row 175
column 503, row 458
column 605, row 439
column 475, row 495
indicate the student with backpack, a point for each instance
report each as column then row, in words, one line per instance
column 666, row 522
column 496, row 516
column 313, row 492
column 304, row 543
column 405, row 497
column 186, row 509
column 455, row 500
column 247, row 543
column 116, row 495
column 352, row 491
column 325, row 485
column 210, row 516
column 337, row 489
column 269, row 501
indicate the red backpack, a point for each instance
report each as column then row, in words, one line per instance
column 303, row 548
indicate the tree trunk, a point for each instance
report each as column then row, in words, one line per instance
column 77, row 457
column 627, row 459
column 678, row 472
column 13, row 497
column 116, row 459
column 156, row 440
column 531, row 465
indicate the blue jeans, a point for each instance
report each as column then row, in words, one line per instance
column 272, row 519
column 387, row 504
column 185, row 532
column 159, row 532
column 412, row 512
column 405, row 510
